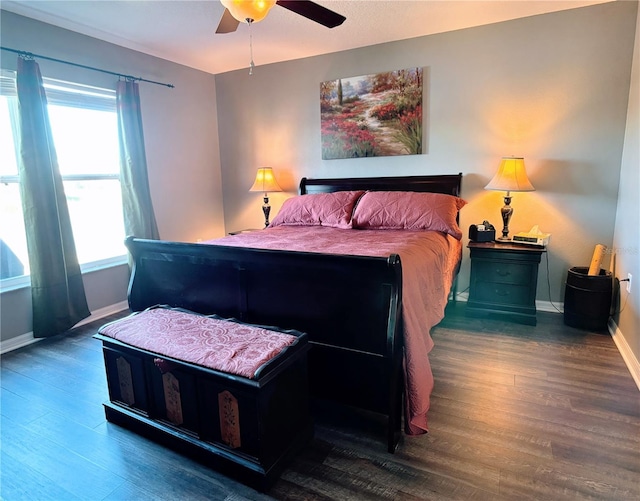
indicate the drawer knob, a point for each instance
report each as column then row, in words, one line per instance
column 502, row 292
column 502, row 273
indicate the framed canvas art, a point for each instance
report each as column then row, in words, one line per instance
column 372, row 115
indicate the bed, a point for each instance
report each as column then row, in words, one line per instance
column 365, row 275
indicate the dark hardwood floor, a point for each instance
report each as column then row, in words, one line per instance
column 518, row 412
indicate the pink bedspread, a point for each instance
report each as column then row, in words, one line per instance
column 429, row 260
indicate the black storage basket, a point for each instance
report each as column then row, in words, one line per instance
column 587, row 299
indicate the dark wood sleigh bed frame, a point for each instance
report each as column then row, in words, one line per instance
column 350, row 306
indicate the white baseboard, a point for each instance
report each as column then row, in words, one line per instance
column 17, row 342
column 540, row 305
column 625, row 350
column 104, row 312
column 549, row 307
column 26, row 339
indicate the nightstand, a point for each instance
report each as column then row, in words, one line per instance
column 504, row 278
column 239, row 232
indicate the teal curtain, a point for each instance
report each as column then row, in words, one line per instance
column 57, row 290
column 139, row 219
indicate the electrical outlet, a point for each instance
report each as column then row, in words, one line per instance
column 629, row 277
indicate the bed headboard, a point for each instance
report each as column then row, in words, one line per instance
column 446, row 183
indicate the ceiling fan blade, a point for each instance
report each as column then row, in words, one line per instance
column 228, row 23
column 313, row 11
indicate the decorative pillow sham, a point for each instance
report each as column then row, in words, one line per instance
column 318, row 209
column 408, row 210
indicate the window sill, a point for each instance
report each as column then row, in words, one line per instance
column 103, row 264
column 15, row 283
column 24, row 281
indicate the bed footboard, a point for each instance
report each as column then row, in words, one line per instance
column 349, row 306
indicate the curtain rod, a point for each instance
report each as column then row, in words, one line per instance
column 127, row 77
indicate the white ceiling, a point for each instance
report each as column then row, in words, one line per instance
column 183, row 31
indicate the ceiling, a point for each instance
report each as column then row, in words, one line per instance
column 183, row 31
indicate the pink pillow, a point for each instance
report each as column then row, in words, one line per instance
column 408, row 210
column 319, row 209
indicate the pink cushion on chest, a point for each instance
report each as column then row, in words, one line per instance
column 318, row 209
column 407, row 210
column 222, row 345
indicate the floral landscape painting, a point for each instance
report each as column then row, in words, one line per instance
column 372, row 115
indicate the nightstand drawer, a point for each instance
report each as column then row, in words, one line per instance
column 501, row 272
column 502, row 294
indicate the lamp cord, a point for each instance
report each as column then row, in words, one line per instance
column 546, row 259
column 618, row 296
column 251, row 64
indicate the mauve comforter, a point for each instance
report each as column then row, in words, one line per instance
column 429, row 262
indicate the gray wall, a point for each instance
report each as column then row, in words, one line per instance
column 627, row 229
column 552, row 88
column 181, row 140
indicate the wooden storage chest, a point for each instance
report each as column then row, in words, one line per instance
column 245, row 427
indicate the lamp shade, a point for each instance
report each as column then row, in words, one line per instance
column 255, row 10
column 265, row 181
column 511, row 176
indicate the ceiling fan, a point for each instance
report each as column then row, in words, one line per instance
column 252, row 11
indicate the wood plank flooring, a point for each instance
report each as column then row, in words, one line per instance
column 518, row 412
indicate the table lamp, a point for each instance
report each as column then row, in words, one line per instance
column 511, row 176
column 265, row 182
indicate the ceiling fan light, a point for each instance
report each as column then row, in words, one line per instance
column 255, row 10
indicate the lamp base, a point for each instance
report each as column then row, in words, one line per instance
column 266, row 209
column 506, row 213
column 504, row 240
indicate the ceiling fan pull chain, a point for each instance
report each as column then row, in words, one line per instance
column 251, row 64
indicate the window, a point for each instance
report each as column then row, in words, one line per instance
column 85, row 133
